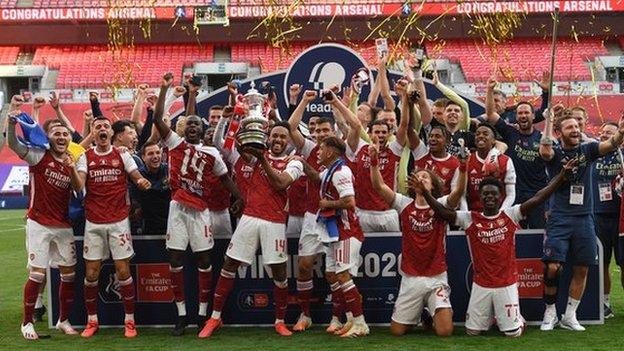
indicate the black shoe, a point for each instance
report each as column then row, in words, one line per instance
column 201, row 321
column 39, row 313
column 608, row 312
column 180, row 326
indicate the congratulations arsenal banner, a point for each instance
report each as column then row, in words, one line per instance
column 310, row 9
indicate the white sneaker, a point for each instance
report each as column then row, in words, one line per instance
column 66, row 328
column 571, row 324
column 28, row 331
column 550, row 320
column 303, row 323
column 334, row 325
column 358, row 329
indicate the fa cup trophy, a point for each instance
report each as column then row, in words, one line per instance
column 254, row 127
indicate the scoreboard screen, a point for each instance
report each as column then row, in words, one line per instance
column 214, row 13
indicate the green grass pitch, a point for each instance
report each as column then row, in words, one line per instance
column 13, row 273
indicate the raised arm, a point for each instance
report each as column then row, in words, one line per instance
column 490, row 107
column 356, row 127
column 279, row 180
column 440, row 210
column 191, row 108
column 95, row 104
column 459, row 190
column 297, row 115
column 544, row 84
column 544, row 193
column 56, row 106
column 384, row 85
column 379, row 186
column 141, row 95
column 20, row 149
column 546, row 150
column 161, row 126
column 423, row 105
column 38, row 103
column 401, row 135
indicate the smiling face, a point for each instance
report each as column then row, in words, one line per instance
column 214, row 116
column 326, row 154
column 569, row 132
column 128, row 138
column 437, row 141
column 490, row 196
column 278, row 140
column 581, row 119
column 607, row 131
column 103, row 132
column 438, row 112
column 192, row 129
column 59, row 137
column 312, row 125
column 390, row 118
column 152, row 156
column 452, row 114
column 484, row 139
column 524, row 117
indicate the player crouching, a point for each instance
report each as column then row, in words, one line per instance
column 491, row 238
column 424, row 279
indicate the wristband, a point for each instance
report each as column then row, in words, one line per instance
column 546, row 141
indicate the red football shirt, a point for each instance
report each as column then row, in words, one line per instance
column 50, row 189
column 264, row 201
column 423, row 247
column 106, row 199
column 446, row 168
column 506, row 174
column 340, row 186
column 190, row 170
column 492, row 245
column 310, row 153
column 366, row 197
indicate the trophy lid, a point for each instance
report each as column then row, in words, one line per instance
column 252, row 92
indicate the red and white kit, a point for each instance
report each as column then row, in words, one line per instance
column 310, row 242
column 446, row 168
column 107, row 203
column 494, row 290
column 49, row 235
column 218, row 201
column 264, row 217
column 344, row 254
column 423, row 265
column 190, row 170
column 506, row 174
column 374, row 214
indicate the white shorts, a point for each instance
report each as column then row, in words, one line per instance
column 221, row 225
column 499, row 305
column 418, row 292
column 186, row 226
column 343, row 255
column 378, row 221
column 49, row 246
column 294, row 225
column 102, row 240
column 250, row 233
column 310, row 243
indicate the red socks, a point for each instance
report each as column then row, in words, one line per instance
column 31, row 291
column 338, row 303
column 352, row 298
column 280, row 295
column 204, row 276
column 225, row 284
column 126, row 288
column 177, row 282
column 66, row 295
column 90, row 296
column 304, row 294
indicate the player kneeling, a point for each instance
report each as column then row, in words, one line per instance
column 49, row 235
column 423, row 250
column 491, row 238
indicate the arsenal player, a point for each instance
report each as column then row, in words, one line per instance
column 491, row 238
column 102, row 171
column 340, row 229
column 263, row 224
column 49, row 235
column 424, row 280
column 486, row 162
column 191, row 168
column 374, row 214
column 435, row 158
column 310, row 244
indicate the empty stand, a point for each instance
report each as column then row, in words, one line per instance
column 95, row 66
column 523, row 58
column 8, row 54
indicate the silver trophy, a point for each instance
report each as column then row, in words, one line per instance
column 254, row 127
